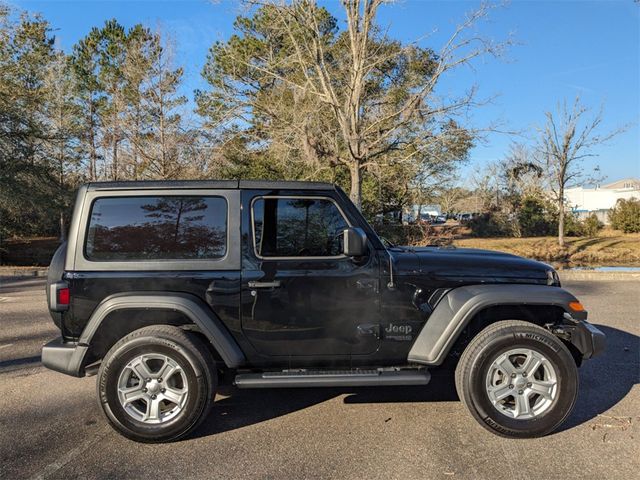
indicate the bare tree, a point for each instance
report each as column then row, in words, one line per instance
column 135, row 70
column 63, row 130
column 568, row 137
column 450, row 197
column 486, row 186
column 521, row 172
column 165, row 140
column 378, row 94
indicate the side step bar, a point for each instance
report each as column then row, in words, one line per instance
column 332, row 378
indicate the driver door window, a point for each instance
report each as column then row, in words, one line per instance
column 287, row 227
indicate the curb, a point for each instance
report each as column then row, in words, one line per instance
column 629, row 276
column 23, row 271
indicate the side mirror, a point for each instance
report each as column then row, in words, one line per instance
column 354, row 242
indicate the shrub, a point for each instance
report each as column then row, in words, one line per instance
column 399, row 234
column 572, row 226
column 492, row 224
column 417, row 234
column 625, row 215
column 591, row 225
column 534, row 218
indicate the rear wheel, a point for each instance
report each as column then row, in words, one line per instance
column 517, row 379
column 157, row 384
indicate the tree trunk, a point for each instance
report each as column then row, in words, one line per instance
column 93, row 161
column 115, row 160
column 356, row 185
column 63, row 232
column 561, row 218
column 61, row 189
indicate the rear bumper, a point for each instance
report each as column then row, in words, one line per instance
column 64, row 357
column 588, row 339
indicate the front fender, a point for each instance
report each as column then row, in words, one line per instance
column 460, row 305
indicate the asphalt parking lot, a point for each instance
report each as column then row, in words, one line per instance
column 51, row 426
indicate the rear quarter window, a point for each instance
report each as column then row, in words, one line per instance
column 157, row 228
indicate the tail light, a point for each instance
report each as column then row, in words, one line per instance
column 59, row 297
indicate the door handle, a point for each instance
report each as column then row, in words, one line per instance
column 369, row 329
column 273, row 284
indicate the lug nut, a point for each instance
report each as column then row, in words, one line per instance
column 524, row 374
column 511, row 387
column 144, row 390
column 160, row 379
column 529, row 384
column 162, row 390
column 148, row 379
column 153, row 397
column 513, row 375
column 519, row 392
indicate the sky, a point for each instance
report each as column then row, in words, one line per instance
column 563, row 49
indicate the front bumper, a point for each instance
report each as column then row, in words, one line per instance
column 588, row 339
column 64, row 357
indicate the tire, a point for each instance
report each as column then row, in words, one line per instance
column 494, row 385
column 157, row 409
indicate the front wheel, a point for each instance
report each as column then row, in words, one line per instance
column 156, row 384
column 517, row 379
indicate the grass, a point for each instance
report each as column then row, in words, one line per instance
column 608, row 249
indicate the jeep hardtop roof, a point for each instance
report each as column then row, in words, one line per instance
column 204, row 184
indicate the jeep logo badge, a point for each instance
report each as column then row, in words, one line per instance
column 404, row 329
column 398, row 332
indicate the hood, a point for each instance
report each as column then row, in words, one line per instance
column 468, row 264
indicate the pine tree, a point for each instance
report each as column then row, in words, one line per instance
column 90, row 99
column 64, row 128
column 26, row 52
column 135, row 70
column 112, row 48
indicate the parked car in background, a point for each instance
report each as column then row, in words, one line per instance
column 465, row 217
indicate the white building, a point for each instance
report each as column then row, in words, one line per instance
column 599, row 200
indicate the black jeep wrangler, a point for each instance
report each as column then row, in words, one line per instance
column 168, row 288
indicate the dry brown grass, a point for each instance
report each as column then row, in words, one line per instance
column 609, row 249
